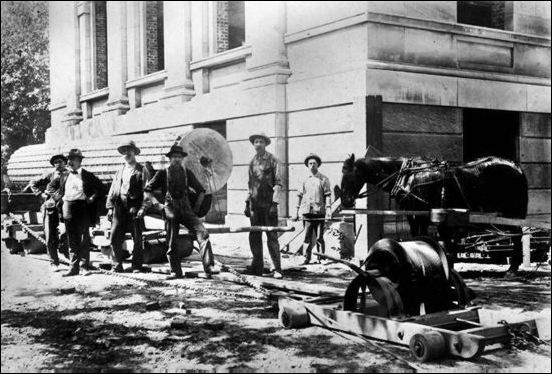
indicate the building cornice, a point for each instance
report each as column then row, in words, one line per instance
column 415, row 23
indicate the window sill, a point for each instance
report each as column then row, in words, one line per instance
column 222, row 58
column 147, row 80
column 94, row 95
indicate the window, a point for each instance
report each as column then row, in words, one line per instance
column 482, row 13
column 99, row 49
column 155, row 42
column 230, row 25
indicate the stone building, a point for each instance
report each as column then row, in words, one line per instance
column 451, row 79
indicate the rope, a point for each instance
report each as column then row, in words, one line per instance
column 203, row 289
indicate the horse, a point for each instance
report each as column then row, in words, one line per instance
column 489, row 184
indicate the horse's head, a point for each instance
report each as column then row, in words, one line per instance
column 377, row 171
column 351, row 183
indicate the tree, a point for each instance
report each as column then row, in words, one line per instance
column 25, row 74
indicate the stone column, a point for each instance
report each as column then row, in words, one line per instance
column 74, row 112
column 178, row 50
column 265, row 28
column 267, row 70
column 117, row 102
column 134, row 59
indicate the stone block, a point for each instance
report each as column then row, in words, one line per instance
column 539, row 202
column 242, row 128
column 424, row 47
column 489, row 55
column 532, row 60
column 538, row 99
column 317, row 121
column 326, row 90
column 476, row 93
column 386, row 42
column 538, row 175
column 336, row 51
column 300, row 147
column 403, row 87
column 535, row 124
column 534, row 150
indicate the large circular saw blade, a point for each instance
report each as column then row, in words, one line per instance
column 209, row 158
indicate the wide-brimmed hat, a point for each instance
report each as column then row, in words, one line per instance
column 176, row 149
column 56, row 157
column 261, row 135
column 75, row 152
column 129, row 144
column 316, row 157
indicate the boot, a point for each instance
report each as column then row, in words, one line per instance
column 206, row 253
column 176, row 267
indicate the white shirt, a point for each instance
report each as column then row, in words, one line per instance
column 73, row 187
column 125, row 178
column 313, row 194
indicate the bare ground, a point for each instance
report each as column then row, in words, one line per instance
column 106, row 326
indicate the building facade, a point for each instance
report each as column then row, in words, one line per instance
column 452, row 80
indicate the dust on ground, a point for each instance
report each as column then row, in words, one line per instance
column 107, row 325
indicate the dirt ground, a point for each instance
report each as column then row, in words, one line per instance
column 105, row 325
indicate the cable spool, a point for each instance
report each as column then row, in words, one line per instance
column 403, row 275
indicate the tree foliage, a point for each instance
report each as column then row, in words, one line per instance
column 25, row 74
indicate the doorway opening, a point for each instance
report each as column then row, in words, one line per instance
column 490, row 133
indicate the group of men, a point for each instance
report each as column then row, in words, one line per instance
column 71, row 195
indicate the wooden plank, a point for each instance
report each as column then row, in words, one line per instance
column 442, row 147
column 284, row 285
column 421, row 118
column 485, row 219
column 538, row 175
column 534, row 150
column 397, row 213
column 374, row 137
column 535, row 124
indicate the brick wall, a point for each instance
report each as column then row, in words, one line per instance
column 222, row 26
column 497, row 14
column 482, row 13
column 155, row 57
column 100, row 23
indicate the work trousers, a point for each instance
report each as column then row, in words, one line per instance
column 179, row 211
column 262, row 217
column 314, row 234
column 51, row 232
column 77, row 224
column 123, row 222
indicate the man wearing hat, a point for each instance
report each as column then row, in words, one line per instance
column 125, row 206
column 77, row 192
column 261, row 205
column 314, row 205
column 175, row 182
column 50, row 215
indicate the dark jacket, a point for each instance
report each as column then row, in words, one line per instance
column 176, row 187
column 138, row 179
column 38, row 185
column 92, row 186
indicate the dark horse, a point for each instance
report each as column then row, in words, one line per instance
column 488, row 184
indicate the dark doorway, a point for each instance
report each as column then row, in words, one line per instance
column 219, row 206
column 490, row 133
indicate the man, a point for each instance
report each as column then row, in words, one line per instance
column 314, row 204
column 261, row 205
column 77, row 192
column 50, row 215
column 174, row 182
column 125, row 207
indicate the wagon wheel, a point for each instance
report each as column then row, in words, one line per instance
column 382, row 290
column 460, row 293
column 427, row 346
